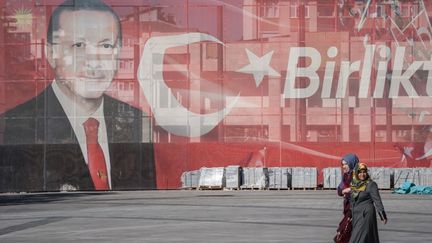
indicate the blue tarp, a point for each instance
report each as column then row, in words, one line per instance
column 410, row 188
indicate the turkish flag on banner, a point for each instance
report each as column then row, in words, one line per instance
column 221, row 82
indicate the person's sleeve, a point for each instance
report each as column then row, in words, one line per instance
column 340, row 187
column 343, row 184
column 376, row 198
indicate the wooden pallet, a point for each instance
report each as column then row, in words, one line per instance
column 189, row 188
column 253, row 188
column 278, row 188
column 210, row 188
column 304, row 189
column 231, row 188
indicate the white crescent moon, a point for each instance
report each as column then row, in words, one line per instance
column 427, row 154
column 177, row 119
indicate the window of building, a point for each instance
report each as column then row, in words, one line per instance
column 126, row 64
column 294, row 11
column 270, row 9
column 380, row 133
column 211, row 50
column 408, row 10
column 380, row 11
column 245, row 133
column 121, row 86
column 326, row 11
column 323, row 133
column 401, row 133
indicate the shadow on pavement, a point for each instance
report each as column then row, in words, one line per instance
column 31, row 224
column 33, row 198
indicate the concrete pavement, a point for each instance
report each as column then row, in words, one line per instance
column 199, row 216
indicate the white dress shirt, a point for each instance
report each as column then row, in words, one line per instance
column 77, row 117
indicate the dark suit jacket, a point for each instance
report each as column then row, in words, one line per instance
column 41, row 153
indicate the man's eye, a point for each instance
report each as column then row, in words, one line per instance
column 108, row 46
column 79, row 44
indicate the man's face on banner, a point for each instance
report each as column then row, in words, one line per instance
column 84, row 52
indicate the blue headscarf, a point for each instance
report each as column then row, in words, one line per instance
column 352, row 160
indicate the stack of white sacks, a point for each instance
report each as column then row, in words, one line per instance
column 382, row 176
column 304, row 177
column 332, row 177
column 425, row 176
column 236, row 177
column 233, row 177
column 212, row 178
column 255, row 178
column 418, row 176
column 190, row 179
column 279, row 177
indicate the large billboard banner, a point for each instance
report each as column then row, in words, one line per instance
column 122, row 95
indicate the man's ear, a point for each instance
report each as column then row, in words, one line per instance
column 49, row 53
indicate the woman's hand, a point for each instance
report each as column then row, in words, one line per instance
column 384, row 221
column 346, row 190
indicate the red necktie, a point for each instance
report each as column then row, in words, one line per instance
column 95, row 156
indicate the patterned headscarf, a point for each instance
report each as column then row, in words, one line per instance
column 358, row 185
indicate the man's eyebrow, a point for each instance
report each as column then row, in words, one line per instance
column 105, row 40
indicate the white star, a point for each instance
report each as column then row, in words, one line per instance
column 408, row 151
column 259, row 66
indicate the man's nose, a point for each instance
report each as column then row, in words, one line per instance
column 93, row 57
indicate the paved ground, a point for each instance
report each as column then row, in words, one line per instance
column 199, row 216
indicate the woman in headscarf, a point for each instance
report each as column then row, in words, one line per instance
column 365, row 198
column 348, row 163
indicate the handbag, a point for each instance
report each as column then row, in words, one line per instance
column 344, row 230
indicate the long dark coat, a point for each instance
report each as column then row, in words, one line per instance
column 364, row 220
